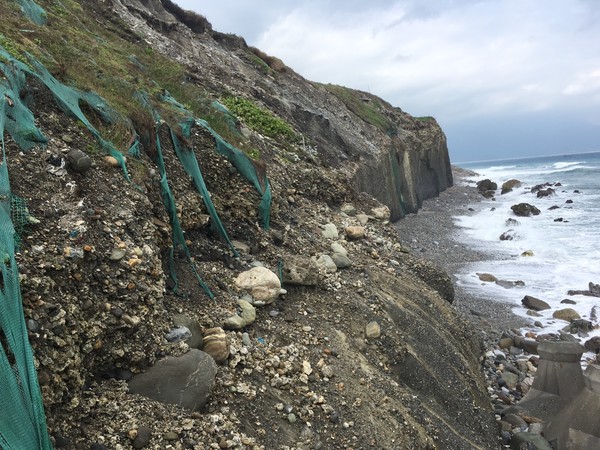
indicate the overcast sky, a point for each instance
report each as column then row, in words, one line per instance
column 504, row 78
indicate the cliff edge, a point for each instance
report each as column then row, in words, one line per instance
column 399, row 159
column 200, row 257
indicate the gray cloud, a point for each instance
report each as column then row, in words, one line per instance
column 461, row 61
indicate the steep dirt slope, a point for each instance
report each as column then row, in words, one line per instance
column 98, row 281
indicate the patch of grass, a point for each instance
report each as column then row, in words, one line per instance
column 273, row 63
column 253, row 153
column 425, row 119
column 81, row 47
column 259, row 119
column 365, row 108
column 12, row 48
column 258, row 63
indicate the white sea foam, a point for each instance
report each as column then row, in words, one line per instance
column 563, row 164
column 565, row 241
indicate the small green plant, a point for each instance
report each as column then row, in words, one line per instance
column 365, row 108
column 253, row 153
column 425, row 119
column 259, row 119
column 10, row 46
column 259, row 63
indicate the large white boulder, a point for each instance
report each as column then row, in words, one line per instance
column 261, row 283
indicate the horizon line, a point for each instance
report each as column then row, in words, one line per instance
column 525, row 157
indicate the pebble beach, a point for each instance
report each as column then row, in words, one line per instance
column 432, row 234
column 508, row 358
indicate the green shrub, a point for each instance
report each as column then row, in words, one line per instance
column 259, row 119
column 425, row 119
column 369, row 111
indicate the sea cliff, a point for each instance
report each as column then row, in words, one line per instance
column 202, row 163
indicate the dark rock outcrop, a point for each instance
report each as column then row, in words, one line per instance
column 545, row 192
column 486, row 185
column 508, row 235
column 525, row 210
column 186, row 380
column 592, row 291
column 534, row 303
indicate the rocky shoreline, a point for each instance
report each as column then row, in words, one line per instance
column 508, row 369
column 431, row 234
column 510, row 358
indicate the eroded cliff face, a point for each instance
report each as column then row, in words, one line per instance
column 365, row 353
column 399, row 159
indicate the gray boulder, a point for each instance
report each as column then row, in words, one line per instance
column 185, row 380
column 545, row 193
column 486, row 185
column 524, row 210
column 327, row 263
column 534, row 303
column 78, row 160
column 341, row 260
column 593, row 344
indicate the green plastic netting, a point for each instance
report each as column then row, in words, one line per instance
column 33, row 11
column 188, row 160
column 230, row 119
column 169, row 202
column 187, row 157
column 23, row 424
column 18, row 119
column 244, row 166
column 69, row 100
column 178, row 237
column 241, row 162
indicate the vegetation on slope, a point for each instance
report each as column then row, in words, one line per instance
column 112, row 61
column 259, row 119
column 363, row 107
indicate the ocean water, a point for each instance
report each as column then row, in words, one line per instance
column 565, row 241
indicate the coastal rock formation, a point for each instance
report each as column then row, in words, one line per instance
column 525, row 210
column 486, row 185
column 545, row 193
column 592, row 291
column 509, row 185
column 487, row 188
column 534, row 303
column 398, row 159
